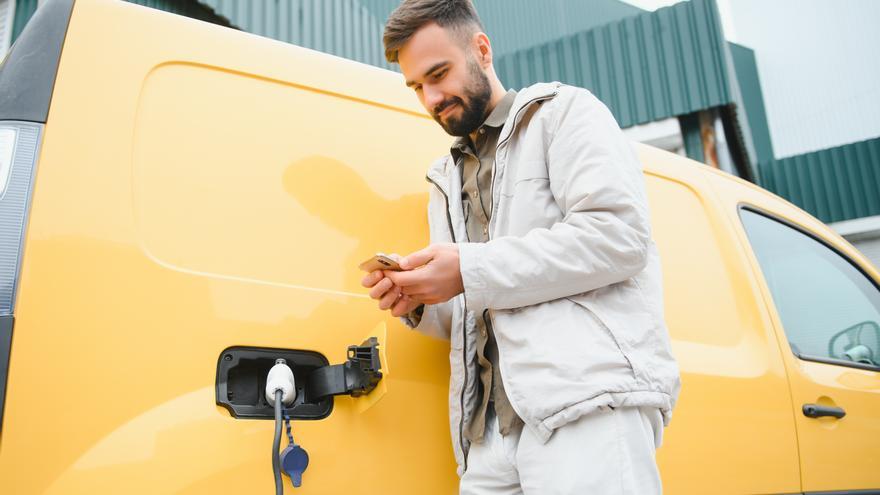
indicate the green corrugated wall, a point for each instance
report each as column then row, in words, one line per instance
column 516, row 24
column 645, row 68
column 834, row 184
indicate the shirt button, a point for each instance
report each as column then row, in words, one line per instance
column 483, row 331
column 485, row 230
column 482, row 131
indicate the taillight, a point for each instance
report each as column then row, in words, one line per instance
column 19, row 142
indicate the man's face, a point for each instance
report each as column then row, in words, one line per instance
column 447, row 78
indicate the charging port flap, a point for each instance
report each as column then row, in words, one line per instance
column 356, row 377
column 241, row 379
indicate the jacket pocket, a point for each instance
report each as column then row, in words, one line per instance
column 620, row 327
column 622, row 345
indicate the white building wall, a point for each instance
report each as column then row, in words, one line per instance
column 7, row 16
column 819, row 67
column 864, row 234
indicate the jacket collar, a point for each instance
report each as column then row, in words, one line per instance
column 439, row 170
column 524, row 99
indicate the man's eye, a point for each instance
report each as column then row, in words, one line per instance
column 440, row 74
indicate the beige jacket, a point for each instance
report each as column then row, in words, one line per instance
column 570, row 276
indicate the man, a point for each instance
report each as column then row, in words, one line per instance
column 541, row 272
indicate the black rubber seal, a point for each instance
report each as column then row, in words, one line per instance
column 27, row 76
column 6, row 324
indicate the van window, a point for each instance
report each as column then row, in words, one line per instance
column 829, row 309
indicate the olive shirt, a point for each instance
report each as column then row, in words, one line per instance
column 477, row 160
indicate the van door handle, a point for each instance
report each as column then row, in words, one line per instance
column 817, row 411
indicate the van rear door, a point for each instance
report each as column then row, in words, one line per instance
column 27, row 79
column 205, row 193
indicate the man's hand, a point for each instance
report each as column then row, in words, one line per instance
column 389, row 295
column 430, row 276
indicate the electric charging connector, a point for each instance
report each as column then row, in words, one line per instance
column 281, row 378
column 280, row 389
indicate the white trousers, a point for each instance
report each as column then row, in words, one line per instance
column 610, row 451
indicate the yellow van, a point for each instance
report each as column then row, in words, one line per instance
column 184, row 203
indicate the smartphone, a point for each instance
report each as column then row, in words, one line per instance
column 380, row 262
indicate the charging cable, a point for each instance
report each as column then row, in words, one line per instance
column 280, row 392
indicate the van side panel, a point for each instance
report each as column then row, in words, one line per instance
column 732, row 429
column 201, row 188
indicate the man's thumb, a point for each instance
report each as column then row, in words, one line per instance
column 417, row 259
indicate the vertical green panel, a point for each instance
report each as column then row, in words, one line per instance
column 605, row 67
column 348, row 40
column 789, row 189
column 559, row 60
column 705, row 24
column 812, row 171
column 753, row 100
column 570, row 62
column 843, row 182
column 691, row 88
column 628, row 61
column 650, row 61
column 308, row 23
column 870, row 156
column 835, row 184
column 800, row 179
column 829, row 189
column 641, row 88
column 858, row 198
column 617, row 79
column 672, row 64
column 24, row 9
column 690, row 133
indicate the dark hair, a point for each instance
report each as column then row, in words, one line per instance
column 458, row 16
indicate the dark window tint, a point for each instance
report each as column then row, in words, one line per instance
column 830, row 310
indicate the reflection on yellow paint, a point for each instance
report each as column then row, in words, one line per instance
column 342, row 199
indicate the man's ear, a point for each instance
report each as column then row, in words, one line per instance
column 483, row 49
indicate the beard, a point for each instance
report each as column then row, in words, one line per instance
column 477, row 94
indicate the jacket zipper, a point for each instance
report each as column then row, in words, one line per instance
column 463, row 337
column 491, row 321
column 452, row 234
column 505, row 140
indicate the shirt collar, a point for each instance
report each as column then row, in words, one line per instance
column 499, row 114
column 496, row 118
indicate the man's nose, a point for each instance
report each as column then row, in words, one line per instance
column 433, row 97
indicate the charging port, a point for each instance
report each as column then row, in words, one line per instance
column 241, row 379
column 241, row 382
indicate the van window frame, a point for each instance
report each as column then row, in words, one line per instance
column 798, row 228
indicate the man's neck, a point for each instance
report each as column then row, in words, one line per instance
column 498, row 93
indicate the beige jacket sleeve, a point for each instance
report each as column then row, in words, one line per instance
column 603, row 237
column 435, row 319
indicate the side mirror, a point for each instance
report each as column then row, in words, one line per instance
column 859, row 343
